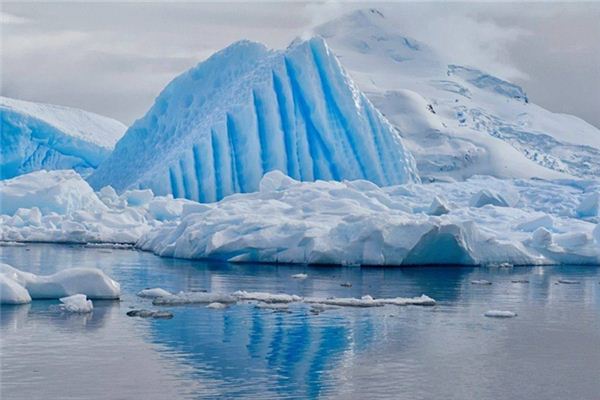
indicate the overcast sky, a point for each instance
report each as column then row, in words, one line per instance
column 113, row 58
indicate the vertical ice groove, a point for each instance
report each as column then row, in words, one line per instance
column 382, row 155
column 184, row 179
column 331, row 103
column 259, row 111
column 315, row 141
column 198, row 172
column 236, row 168
column 287, row 128
column 218, row 164
column 173, row 182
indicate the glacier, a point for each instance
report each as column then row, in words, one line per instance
column 479, row 221
column 456, row 120
column 37, row 136
column 218, row 128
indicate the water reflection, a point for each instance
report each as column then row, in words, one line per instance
column 448, row 351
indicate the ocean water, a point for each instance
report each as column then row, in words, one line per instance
column 448, row 351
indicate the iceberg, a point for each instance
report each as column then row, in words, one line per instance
column 22, row 287
column 220, row 127
column 38, row 136
column 347, row 223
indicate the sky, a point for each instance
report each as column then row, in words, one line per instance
column 114, row 58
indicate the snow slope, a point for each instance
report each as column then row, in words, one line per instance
column 218, row 128
column 458, row 121
column 38, row 136
column 482, row 220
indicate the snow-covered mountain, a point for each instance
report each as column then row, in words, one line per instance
column 218, row 128
column 458, row 121
column 38, row 136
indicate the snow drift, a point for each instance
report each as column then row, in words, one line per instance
column 218, row 128
column 38, row 136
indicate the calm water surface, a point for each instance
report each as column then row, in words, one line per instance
column 450, row 351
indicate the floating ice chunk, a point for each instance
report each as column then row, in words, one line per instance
column 153, row 293
column 568, row 282
column 273, row 306
column 77, row 303
column 91, row 282
column 438, row 207
column 217, row 306
column 520, row 281
column 150, row 314
column 266, row 297
column 488, row 196
column 300, row 276
column 11, row 292
column 193, row 298
column 369, row 301
column 545, row 221
column 589, row 206
column 480, row 282
column 346, row 284
column 422, row 300
column 499, row 314
column 364, row 301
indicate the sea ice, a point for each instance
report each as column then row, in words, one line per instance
column 153, row 293
column 499, row 314
column 11, row 292
column 77, row 303
column 91, row 282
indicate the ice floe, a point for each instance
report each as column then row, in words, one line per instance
column 156, row 314
column 193, row 298
column 77, row 303
column 217, row 306
column 90, row 282
column 500, row 314
column 153, row 293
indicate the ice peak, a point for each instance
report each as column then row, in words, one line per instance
column 247, row 110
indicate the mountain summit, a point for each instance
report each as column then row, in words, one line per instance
column 458, row 120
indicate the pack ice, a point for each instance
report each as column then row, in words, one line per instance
column 485, row 220
column 458, row 121
column 38, row 136
column 247, row 110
